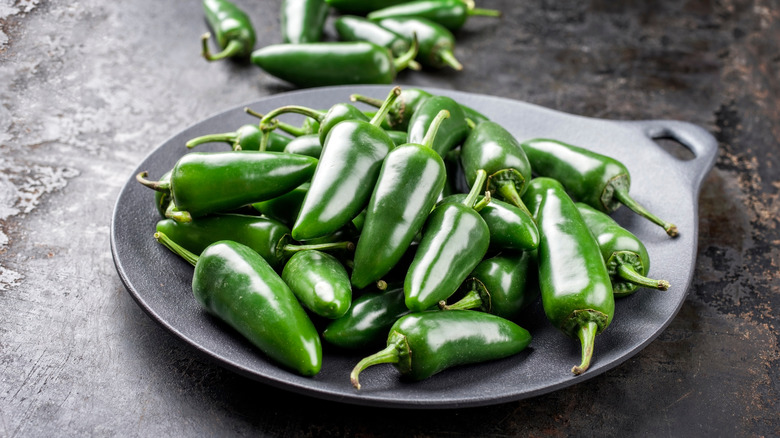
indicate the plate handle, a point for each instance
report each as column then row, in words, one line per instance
column 698, row 140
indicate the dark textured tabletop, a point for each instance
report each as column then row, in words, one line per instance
column 89, row 88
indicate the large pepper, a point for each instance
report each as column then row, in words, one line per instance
column 320, row 282
column 454, row 240
column 332, row 63
column 451, row 14
column 575, row 285
column 410, row 180
column 422, row 344
column 342, row 184
column 212, row 182
column 302, row 21
column 597, row 180
column 625, row 255
column 232, row 29
column 453, row 130
column 436, row 42
column 269, row 316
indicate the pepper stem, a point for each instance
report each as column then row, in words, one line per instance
column 178, row 215
column 472, row 300
column 233, row 47
column 290, row 249
column 622, row 195
column 407, row 58
column 159, row 186
column 587, row 335
column 365, row 99
column 448, row 58
column 433, row 128
column 286, row 127
column 508, row 191
column 627, row 272
column 476, row 188
column 388, row 355
column 227, row 137
column 177, row 249
column 482, row 203
column 385, row 108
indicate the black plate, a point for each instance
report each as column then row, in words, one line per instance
column 161, row 282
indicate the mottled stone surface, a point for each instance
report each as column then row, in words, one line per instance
column 88, row 88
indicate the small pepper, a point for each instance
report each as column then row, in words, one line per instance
column 211, row 182
column 625, row 255
column 454, row 240
column 246, row 137
column 361, row 6
column 302, row 21
column 308, row 145
column 341, row 187
column 451, row 14
column 320, row 282
column 503, row 285
column 436, row 41
column 453, row 130
column 410, row 180
column 367, row 321
column 352, row 28
column 232, row 29
column 575, row 286
column 332, row 63
column 269, row 316
column 422, row 344
column 597, row 180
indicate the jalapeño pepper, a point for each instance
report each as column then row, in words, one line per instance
column 211, row 182
column 453, row 130
column 269, row 316
column 352, row 28
column 410, row 180
column 302, row 20
column 422, row 344
column 232, row 29
column 455, row 238
column 308, row 145
column 451, row 14
column 625, row 255
column 283, row 208
column 575, row 285
column 246, row 137
column 597, row 180
column 320, row 282
column 367, row 321
column 341, row 186
column 436, row 41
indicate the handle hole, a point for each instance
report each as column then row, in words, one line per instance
column 674, row 148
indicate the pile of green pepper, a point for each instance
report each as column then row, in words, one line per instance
column 376, row 39
column 365, row 235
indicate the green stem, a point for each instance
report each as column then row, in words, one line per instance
column 482, row 12
column 176, row 248
column 433, row 128
column 388, row 355
column 508, row 191
column 622, row 195
column 476, row 188
column 627, row 272
column 227, row 137
column 448, row 58
column 385, row 108
column 587, row 335
column 290, row 249
column 171, row 212
column 233, row 48
column 286, row 127
column 407, row 58
column 472, row 300
column 159, row 186
column 482, row 203
column 365, row 99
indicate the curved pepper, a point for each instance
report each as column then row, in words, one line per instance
column 422, row 344
column 453, row 130
column 342, row 184
column 367, row 321
column 320, row 282
column 232, row 29
column 597, row 180
column 625, row 255
column 503, row 285
column 436, row 41
column 451, row 14
column 269, row 316
column 454, row 240
column 410, row 180
column 575, row 285
column 246, row 137
column 331, row 63
column 302, row 21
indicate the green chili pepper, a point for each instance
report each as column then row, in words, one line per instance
column 453, row 130
column 361, row 6
column 451, row 14
column 597, row 180
column 332, row 63
column 454, row 240
column 320, row 282
column 575, row 285
column 232, row 29
column 491, row 147
column 398, row 137
column 268, row 237
column 503, row 285
column 422, row 344
column 211, row 182
column 283, row 208
column 269, row 316
column 436, row 41
column 367, row 321
column 341, row 186
column 308, row 145
column 410, row 180
column 246, row 137
column 510, row 228
column 302, row 21
column 352, row 28
column 625, row 255
column 326, row 119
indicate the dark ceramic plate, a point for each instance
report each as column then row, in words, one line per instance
column 161, row 282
